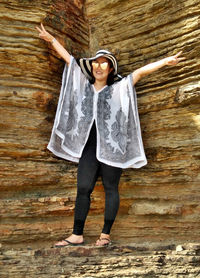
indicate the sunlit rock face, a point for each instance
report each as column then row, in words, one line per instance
column 159, row 201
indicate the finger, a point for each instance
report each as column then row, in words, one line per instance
column 42, row 27
column 182, row 58
column 38, row 29
column 178, row 54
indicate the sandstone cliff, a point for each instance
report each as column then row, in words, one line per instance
column 159, row 201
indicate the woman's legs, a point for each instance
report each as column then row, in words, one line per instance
column 88, row 171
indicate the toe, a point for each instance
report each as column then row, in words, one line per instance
column 102, row 241
column 61, row 243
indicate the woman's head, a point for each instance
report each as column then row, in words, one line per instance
column 103, row 70
column 104, row 63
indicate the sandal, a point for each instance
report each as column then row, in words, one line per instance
column 106, row 244
column 69, row 243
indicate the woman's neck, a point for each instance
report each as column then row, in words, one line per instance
column 99, row 84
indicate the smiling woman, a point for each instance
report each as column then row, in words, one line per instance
column 97, row 124
column 101, row 58
column 100, row 70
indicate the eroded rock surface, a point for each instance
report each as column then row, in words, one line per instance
column 90, row 262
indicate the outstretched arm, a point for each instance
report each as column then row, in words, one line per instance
column 143, row 71
column 43, row 34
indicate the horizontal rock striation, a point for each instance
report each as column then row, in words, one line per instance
column 159, row 202
column 118, row 261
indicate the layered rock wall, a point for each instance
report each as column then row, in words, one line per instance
column 37, row 189
column 159, row 201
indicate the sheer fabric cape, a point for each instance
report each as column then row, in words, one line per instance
column 114, row 109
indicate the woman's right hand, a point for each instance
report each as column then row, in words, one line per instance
column 43, row 34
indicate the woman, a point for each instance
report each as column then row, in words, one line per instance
column 97, row 125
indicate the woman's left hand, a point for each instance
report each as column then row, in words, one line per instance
column 173, row 60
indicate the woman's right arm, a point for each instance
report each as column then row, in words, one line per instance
column 43, row 34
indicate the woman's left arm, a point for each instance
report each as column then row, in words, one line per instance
column 168, row 61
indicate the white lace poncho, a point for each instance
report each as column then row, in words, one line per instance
column 114, row 109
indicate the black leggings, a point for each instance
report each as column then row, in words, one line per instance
column 88, row 171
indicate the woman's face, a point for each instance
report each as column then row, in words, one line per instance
column 101, row 69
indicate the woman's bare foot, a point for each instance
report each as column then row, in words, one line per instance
column 104, row 240
column 71, row 240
